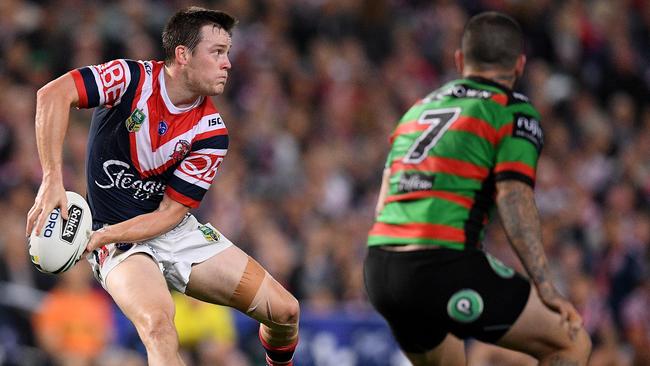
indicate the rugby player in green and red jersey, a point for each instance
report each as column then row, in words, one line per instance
column 469, row 146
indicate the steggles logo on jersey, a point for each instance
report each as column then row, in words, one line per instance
column 118, row 177
column 135, row 121
column 180, row 150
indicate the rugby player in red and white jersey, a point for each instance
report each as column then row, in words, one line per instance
column 156, row 142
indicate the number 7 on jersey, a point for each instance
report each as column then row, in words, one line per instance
column 439, row 121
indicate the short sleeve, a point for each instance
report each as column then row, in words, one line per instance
column 102, row 85
column 194, row 175
column 519, row 148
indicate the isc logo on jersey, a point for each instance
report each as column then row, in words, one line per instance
column 61, row 242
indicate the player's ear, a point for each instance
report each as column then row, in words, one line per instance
column 459, row 59
column 182, row 55
column 520, row 65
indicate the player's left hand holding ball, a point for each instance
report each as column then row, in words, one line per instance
column 51, row 195
column 57, row 244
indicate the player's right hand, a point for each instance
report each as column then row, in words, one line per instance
column 554, row 301
column 51, row 194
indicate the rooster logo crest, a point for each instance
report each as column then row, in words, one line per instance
column 180, row 150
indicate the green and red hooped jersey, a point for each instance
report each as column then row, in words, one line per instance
column 447, row 153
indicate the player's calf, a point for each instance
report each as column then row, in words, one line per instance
column 263, row 298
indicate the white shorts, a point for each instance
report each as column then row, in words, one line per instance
column 175, row 252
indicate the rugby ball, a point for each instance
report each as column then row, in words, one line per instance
column 61, row 242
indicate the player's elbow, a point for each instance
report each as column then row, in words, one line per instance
column 60, row 90
column 45, row 92
column 171, row 211
column 510, row 190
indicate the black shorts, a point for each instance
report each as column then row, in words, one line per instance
column 426, row 294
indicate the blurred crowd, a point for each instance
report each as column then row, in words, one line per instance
column 315, row 90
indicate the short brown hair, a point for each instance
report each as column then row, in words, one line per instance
column 184, row 28
column 492, row 40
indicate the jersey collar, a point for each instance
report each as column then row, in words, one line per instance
column 168, row 103
column 490, row 82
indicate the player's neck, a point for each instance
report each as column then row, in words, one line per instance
column 178, row 94
column 505, row 78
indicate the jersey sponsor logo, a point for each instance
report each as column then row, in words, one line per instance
column 215, row 121
column 520, row 97
column 71, row 225
column 162, row 128
column 463, row 91
column 113, row 77
column 500, row 268
column 118, row 176
column 201, row 166
column 135, row 121
column 528, row 128
column 465, row 306
column 181, row 149
column 412, row 182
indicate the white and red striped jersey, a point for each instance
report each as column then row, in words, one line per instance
column 142, row 146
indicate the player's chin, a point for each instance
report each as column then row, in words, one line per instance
column 216, row 90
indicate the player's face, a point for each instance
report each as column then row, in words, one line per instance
column 207, row 70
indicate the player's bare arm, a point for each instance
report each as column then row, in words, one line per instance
column 53, row 102
column 520, row 220
column 141, row 227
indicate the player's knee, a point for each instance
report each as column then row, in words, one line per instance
column 155, row 326
column 578, row 348
column 290, row 312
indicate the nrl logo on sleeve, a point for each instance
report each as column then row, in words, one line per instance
column 528, row 128
column 135, row 121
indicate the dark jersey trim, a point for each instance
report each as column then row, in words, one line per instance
column 513, row 97
column 186, row 189
column 214, row 142
column 181, row 198
column 510, row 175
column 91, row 86
column 483, row 201
column 489, row 82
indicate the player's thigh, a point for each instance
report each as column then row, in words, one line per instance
column 215, row 279
column 234, row 279
column 451, row 352
column 538, row 331
column 138, row 287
